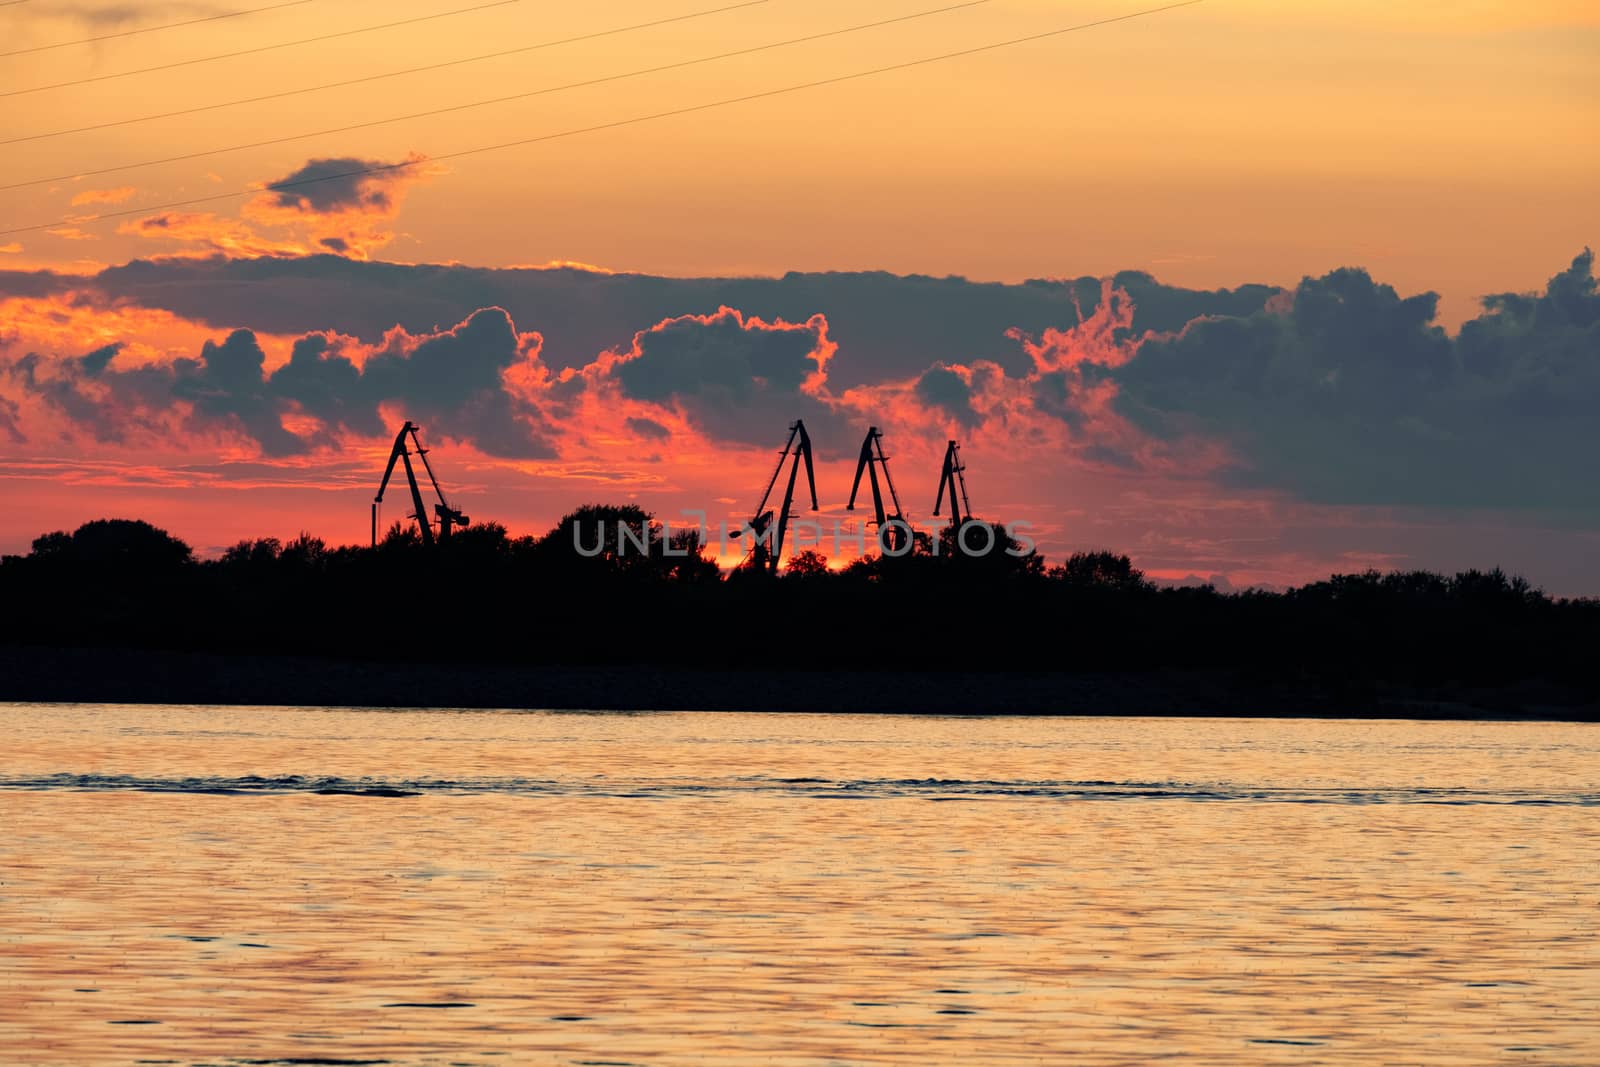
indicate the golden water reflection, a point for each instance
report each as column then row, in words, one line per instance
column 774, row 889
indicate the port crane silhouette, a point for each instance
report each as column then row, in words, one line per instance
column 799, row 447
column 871, row 459
column 960, row 510
column 448, row 516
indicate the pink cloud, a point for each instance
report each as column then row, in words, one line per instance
column 103, row 196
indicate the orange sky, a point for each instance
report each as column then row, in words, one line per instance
column 1442, row 146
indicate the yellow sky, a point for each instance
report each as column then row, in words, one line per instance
column 1442, row 145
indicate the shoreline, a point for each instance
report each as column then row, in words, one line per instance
column 134, row 676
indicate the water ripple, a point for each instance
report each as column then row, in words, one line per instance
column 943, row 789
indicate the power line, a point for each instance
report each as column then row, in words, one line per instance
column 151, row 29
column 389, row 74
column 257, row 51
column 496, row 100
column 389, row 168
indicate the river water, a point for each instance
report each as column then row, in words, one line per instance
column 307, row 885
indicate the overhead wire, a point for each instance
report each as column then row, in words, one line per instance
column 259, row 49
column 389, row 74
column 471, row 105
column 765, row 94
column 152, row 29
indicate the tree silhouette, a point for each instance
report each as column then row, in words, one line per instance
column 305, row 552
column 988, row 549
column 687, row 561
column 400, row 538
column 586, row 593
column 622, row 540
column 1106, row 570
column 807, row 564
column 483, row 541
column 258, row 553
column 116, row 543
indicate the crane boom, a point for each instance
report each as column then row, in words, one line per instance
column 883, row 461
column 421, row 512
column 951, row 476
column 797, row 432
column 395, row 453
column 422, row 453
column 783, row 516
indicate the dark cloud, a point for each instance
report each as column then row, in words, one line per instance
column 450, row 379
column 9, row 411
column 227, row 385
column 116, row 16
column 338, row 184
column 223, row 387
column 100, row 358
column 1340, row 391
column 949, row 392
column 1162, row 308
column 719, row 355
column 1055, row 393
column 26, row 283
column 649, row 429
column 327, row 385
column 889, row 327
column 454, row 376
column 738, row 379
column 1354, row 395
column 61, row 393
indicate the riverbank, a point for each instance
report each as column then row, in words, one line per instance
column 134, row 676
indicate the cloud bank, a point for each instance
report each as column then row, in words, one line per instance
column 1351, row 394
column 1339, row 391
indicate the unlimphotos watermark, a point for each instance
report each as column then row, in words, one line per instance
column 836, row 537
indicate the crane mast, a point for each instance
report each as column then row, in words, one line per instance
column 447, row 516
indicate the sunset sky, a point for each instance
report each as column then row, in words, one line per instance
column 1196, row 378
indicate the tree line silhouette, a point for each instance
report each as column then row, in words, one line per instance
column 487, row 597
